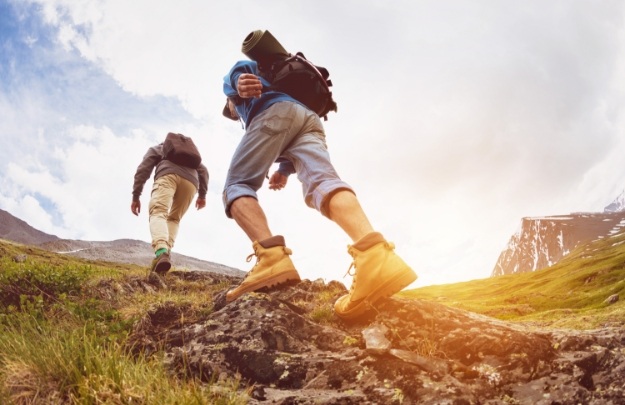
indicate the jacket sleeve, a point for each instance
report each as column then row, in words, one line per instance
column 231, row 79
column 202, row 174
column 286, row 168
column 144, row 170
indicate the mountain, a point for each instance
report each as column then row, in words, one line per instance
column 16, row 230
column 543, row 241
column 117, row 251
column 617, row 205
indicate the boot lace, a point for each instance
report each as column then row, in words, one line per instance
column 388, row 245
column 251, row 255
column 249, row 259
column 353, row 274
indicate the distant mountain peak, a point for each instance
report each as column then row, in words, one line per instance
column 617, row 205
column 16, row 230
column 543, row 241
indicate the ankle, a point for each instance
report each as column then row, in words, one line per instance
column 274, row 241
column 369, row 240
column 160, row 252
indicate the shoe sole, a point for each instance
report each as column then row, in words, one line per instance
column 279, row 279
column 162, row 268
column 386, row 290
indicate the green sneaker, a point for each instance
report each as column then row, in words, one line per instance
column 161, row 264
column 380, row 273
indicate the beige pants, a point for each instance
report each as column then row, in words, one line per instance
column 171, row 197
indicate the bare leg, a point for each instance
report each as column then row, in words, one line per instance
column 249, row 215
column 344, row 209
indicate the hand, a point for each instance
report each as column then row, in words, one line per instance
column 277, row 181
column 249, row 85
column 200, row 203
column 135, row 207
column 233, row 111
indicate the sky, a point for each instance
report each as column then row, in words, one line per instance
column 455, row 119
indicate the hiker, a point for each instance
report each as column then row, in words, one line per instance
column 280, row 129
column 175, row 185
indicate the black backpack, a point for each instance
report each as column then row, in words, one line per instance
column 181, row 150
column 305, row 82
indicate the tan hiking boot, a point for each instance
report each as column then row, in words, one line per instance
column 379, row 273
column 273, row 267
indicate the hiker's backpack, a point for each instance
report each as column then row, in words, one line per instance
column 305, row 82
column 181, row 150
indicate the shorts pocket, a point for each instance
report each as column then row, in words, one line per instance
column 275, row 125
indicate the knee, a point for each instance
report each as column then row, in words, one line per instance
column 334, row 198
column 234, row 192
column 158, row 208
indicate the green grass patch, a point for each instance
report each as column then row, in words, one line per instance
column 571, row 293
column 64, row 328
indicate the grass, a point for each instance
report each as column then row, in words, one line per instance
column 64, row 328
column 65, row 323
column 570, row 294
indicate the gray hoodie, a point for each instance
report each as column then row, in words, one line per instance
column 154, row 158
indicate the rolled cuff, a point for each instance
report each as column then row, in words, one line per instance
column 235, row 191
column 319, row 197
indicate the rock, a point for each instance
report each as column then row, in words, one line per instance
column 611, row 299
column 288, row 344
column 20, row 258
column 375, row 339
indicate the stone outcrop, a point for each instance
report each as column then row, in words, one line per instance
column 287, row 346
column 543, row 241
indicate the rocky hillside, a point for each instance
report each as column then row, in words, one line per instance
column 118, row 251
column 291, row 349
column 543, row 241
column 16, row 230
column 286, row 346
column 131, row 251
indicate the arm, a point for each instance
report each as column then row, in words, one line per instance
column 143, row 173
column 202, row 174
column 241, row 85
column 245, row 87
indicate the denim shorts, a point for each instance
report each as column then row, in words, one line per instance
column 285, row 130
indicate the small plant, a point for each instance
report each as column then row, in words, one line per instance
column 323, row 314
column 350, row 341
column 398, row 396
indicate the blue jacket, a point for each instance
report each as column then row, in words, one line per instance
column 251, row 107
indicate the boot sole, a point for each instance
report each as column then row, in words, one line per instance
column 386, row 290
column 290, row 276
column 162, row 268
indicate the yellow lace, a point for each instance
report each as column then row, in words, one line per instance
column 249, row 257
column 389, row 245
column 349, row 273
